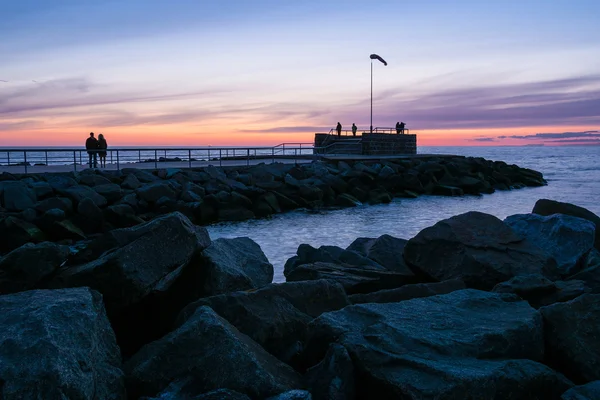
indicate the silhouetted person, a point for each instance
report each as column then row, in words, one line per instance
column 397, row 128
column 338, row 128
column 102, row 146
column 91, row 145
column 402, row 125
column 354, row 128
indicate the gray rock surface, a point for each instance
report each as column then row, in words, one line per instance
column 591, row 391
column 58, row 344
column 16, row 196
column 332, row 378
column 386, row 250
column 408, row 292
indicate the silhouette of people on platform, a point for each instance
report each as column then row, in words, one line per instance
column 338, row 128
column 102, row 146
column 91, row 145
column 354, row 128
column 402, row 125
column 398, row 127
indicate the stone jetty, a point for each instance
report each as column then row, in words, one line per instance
column 144, row 305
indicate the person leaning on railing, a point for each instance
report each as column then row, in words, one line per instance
column 91, row 144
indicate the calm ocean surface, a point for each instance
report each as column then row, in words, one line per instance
column 573, row 175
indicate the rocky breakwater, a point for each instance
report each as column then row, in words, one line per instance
column 70, row 207
column 472, row 307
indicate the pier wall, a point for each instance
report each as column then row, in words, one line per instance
column 381, row 143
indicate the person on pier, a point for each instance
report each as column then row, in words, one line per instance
column 338, row 128
column 91, row 145
column 354, row 128
column 402, row 125
column 102, row 146
column 398, row 127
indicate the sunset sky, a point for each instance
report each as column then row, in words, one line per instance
column 263, row 72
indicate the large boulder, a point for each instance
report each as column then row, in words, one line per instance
column 24, row 268
column 408, row 292
column 90, row 216
column 111, row 191
column 213, row 354
column 131, row 182
column 61, row 203
column 93, row 179
column 152, row 192
column 572, row 333
column 466, row 344
column 15, row 233
column 142, row 175
column 139, row 271
column 78, row 193
column 229, row 265
column 477, row 248
column 539, row 291
column 333, row 377
column 590, row 273
column 386, row 250
column 276, row 315
column 58, row 344
column 549, row 207
column 16, row 196
column 41, row 189
column 565, row 238
column 591, row 391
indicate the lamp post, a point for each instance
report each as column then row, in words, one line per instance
column 374, row 57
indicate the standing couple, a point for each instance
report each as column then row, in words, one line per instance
column 96, row 148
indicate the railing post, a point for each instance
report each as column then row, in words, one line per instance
column 190, row 157
column 248, row 157
column 46, row 153
column 295, row 156
column 139, row 156
column 111, row 157
column 208, row 156
column 118, row 165
column 220, row 157
column 155, row 159
column 273, row 154
column 25, row 160
column 80, row 160
column 75, row 160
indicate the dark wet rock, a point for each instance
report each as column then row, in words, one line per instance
column 477, row 248
column 142, row 175
column 58, row 344
column 152, row 192
column 565, row 238
column 111, row 191
column 549, row 207
column 131, row 182
column 310, row 193
column 212, row 354
column 354, row 279
column 235, row 213
column 93, row 180
column 62, row 203
column 591, row 391
column 408, row 292
column 347, row 200
column 540, row 291
column 590, row 272
column 66, row 229
column 292, row 395
column 572, row 331
column 60, row 182
column 50, row 217
column 16, row 196
column 42, row 189
column 333, row 377
column 122, row 216
column 397, row 353
column 187, row 389
column 276, row 315
column 229, row 265
column 215, row 173
column 138, row 271
column 444, row 190
column 378, row 196
column 24, row 268
column 78, row 193
column 91, row 216
column 15, row 232
column 386, row 250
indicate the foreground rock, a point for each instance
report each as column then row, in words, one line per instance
column 572, row 331
column 549, row 207
column 590, row 273
column 332, row 378
column 540, row 291
column 208, row 353
column 472, row 344
column 58, row 344
column 565, row 238
column 477, row 248
column 408, row 292
column 591, row 391
column 386, row 250
column 277, row 315
column 139, row 272
column 26, row 267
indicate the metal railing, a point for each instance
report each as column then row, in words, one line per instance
column 347, row 132
column 31, row 160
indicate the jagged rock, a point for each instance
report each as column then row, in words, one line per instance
column 16, row 196
column 23, row 268
column 16, row 232
column 471, row 344
column 386, row 250
column 565, row 238
column 408, row 292
column 183, row 390
column 215, row 173
column 142, row 175
column 78, row 193
column 41, row 189
column 444, row 190
column 276, row 315
column 540, row 291
column 122, row 216
column 131, row 182
column 66, row 229
column 152, row 192
column 58, row 344
column 332, row 378
column 378, row 196
column 591, row 391
column 572, row 330
column 140, row 272
column 62, row 203
column 91, row 216
column 477, row 248
column 234, row 213
column 347, row 200
column 111, row 191
column 310, row 193
column 60, row 182
column 549, row 207
column 386, row 172
column 590, row 272
column 93, row 180
column 212, row 354
column 229, row 265
column 292, row 395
